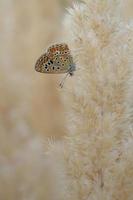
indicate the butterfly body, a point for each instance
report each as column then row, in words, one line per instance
column 56, row 60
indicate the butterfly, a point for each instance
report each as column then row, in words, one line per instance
column 56, row 60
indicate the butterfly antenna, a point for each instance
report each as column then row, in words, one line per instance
column 63, row 80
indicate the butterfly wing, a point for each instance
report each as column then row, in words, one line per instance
column 63, row 63
column 56, row 60
column 59, row 49
column 40, row 64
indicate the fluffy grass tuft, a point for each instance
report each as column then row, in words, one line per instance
column 95, row 160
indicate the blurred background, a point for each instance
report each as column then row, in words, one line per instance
column 30, row 104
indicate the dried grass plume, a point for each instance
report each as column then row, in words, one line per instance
column 94, row 161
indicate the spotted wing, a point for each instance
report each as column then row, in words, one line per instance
column 56, row 60
column 42, row 60
column 59, row 49
column 51, row 64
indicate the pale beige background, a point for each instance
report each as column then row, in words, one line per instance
column 30, row 105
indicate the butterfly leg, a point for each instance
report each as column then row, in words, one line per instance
column 63, row 80
column 71, row 73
